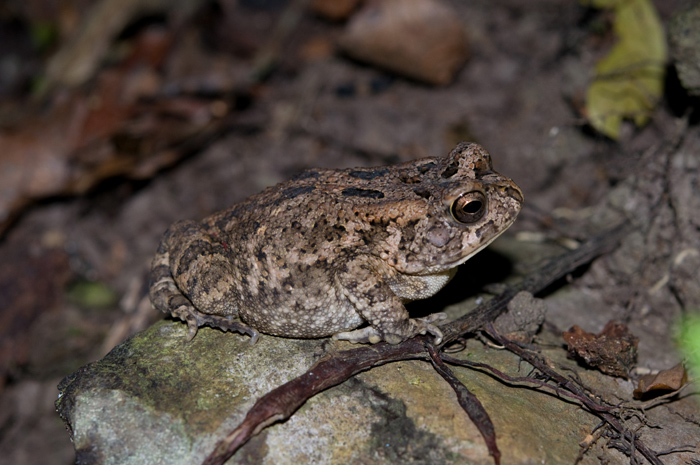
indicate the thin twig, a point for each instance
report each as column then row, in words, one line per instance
column 516, row 380
column 567, row 383
column 469, row 403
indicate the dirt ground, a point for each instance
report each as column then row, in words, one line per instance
column 168, row 124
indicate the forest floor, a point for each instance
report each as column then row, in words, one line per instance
column 165, row 122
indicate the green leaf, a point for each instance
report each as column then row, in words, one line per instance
column 689, row 340
column 628, row 82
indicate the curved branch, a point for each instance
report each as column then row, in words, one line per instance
column 469, row 403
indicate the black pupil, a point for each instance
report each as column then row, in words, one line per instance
column 472, row 207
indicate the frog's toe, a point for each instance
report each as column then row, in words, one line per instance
column 362, row 336
column 435, row 331
column 228, row 324
column 434, row 317
column 425, row 325
column 192, row 327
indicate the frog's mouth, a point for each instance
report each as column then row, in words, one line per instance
column 481, row 247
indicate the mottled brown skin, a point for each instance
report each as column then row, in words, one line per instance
column 331, row 250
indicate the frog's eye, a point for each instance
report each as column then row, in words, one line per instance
column 469, row 207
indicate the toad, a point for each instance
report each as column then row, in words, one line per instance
column 336, row 252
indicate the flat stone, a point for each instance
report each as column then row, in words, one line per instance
column 159, row 399
column 419, row 39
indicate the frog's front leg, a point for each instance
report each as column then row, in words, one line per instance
column 362, row 281
column 190, row 279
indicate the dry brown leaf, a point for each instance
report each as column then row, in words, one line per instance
column 613, row 351
column 84, row 137
column 664, row 381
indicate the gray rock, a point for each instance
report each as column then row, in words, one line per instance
column 158, row 399
column 684, row 41
column 524, row 317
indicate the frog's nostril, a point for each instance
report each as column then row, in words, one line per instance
column 515, row 193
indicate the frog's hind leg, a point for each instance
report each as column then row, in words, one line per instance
column 165, row 295
column 181, row 297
